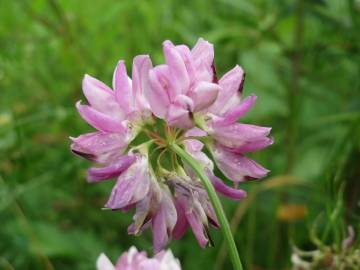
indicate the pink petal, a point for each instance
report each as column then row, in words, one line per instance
column 131, row 187
column 170, row 210
column 204, row 95
column 253, row 146
column 141, row 215
column 192, row 145
column 231, row 88
column 99, row 146
column 163, row 221
column 179, row 117
column 160, row 236
column 222, row 188
column 157, row 94
column 185, row 102
column 179, row 112
column 185, row 53
column 181, row 224
column 101, row 97
column 140, row 80
column 198, row 228
column 134, row 260
column 113, row 170
column 203, row 51
column 233, row 114
column 179, row 76
column 195, row 132
column 237, row 167
column 203, row 59
column 122, row 87
column 238, row 135
column 99, row 120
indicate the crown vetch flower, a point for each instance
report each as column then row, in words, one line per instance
column 180, row 102
column 135, row 260
column 194, row 97
column 185, row 84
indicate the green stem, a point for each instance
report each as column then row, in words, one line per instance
column 215, row 201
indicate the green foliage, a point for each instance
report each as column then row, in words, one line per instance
column 302, row 59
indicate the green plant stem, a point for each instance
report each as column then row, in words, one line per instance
column 215, row 201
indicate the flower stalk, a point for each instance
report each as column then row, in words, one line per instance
column 215, row 201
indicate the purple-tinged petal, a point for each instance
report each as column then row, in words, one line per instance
column 238, row 135
column 170, row 210
column 179, row 112
column 99, row 120
column 195, row 132
column 142, row 215
column 163, row 222
column 221, row 187
column 203, row 51
column 231, row 88
column 193, row 202
column 207, row 207
column 140, row 80
column 192, row 145
column 179, row 117
column 181, row 223
column 203, row 59
column 101, row 97
column 233, row 114
column 145, row 209
column 185, row 53
column 122, row 87
column 131, row 186
column 160, row 236
column 82, row 153
column 111, row 171
column 195, row 223
column 252, row 146
column 237, row 167
column 179, row 75
column 157, row 94
column 99, row 146
column 185, row 102
column 204, row 94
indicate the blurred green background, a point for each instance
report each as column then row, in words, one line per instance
column 302, row 59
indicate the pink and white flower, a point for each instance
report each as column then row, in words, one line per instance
column 180, row 102
column 135, row 260
column 186, row 84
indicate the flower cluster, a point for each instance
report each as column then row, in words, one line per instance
column 180, row 102
column 135, row 260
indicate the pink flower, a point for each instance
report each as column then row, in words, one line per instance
column 194, row 209
column 179, row 102
column 116, row 114
column 185, row 92
column 186, row 84
column 135, row 260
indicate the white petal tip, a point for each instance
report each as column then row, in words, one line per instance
column 103, row 263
